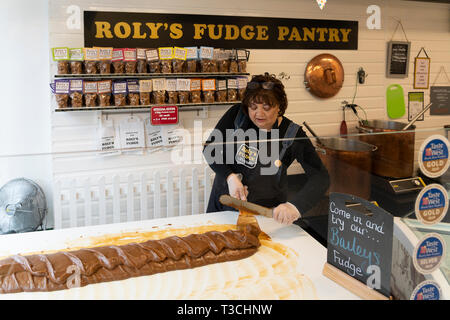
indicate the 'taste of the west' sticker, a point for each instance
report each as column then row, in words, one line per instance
column 433, row 156
column 429, row 253
column 431, row 204
column 426, row 290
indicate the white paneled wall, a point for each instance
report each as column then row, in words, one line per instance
column 426, row 25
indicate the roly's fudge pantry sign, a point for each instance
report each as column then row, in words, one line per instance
column 122, row 29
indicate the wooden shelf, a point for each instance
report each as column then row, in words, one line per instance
column 150, row 75
column 145, row 108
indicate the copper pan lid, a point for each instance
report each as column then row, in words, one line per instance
column 324, row 75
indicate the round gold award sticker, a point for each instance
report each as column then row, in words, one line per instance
column 433, row 156
column 431, row 204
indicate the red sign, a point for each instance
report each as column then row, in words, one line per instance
column 164, row 115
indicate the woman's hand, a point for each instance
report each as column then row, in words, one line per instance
column 286, row 213
column 236, row 188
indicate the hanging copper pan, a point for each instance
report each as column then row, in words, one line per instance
column 324, row 75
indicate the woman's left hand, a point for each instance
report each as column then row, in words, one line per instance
column 286, row 213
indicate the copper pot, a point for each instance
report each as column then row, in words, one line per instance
column 324, row 76
column 395, row 155
column 349, row 164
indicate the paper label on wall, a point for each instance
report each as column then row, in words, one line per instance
column 132, row 135
column 108, row 139
column 153, row 135
column 173, row 135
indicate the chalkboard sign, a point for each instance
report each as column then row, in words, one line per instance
column 360, row 241
column 440, row 97
column 398, row 59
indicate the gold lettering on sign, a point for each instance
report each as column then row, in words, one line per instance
column 176, row 30
column 118, row 30
column 103, row 30
column 231, row 32
column 199, row 30
column 211, row 29
column 333, row 35
column 282, row 32
column 261, row 33
column 295, row 35
column 322, row 32
column 137, row 31
column 247, row 35
column 309, row 33
column 345, row 33
column 154, row 27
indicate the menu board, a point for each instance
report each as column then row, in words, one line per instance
column 398, row 59
column 440, row 97
column 360, row 241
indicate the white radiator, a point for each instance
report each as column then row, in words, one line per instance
column 137, row 196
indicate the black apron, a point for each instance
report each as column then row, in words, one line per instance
column 265, row 190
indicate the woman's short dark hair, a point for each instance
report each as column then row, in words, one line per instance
column 257, row 93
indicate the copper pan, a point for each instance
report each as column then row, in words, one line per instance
column 349, row 164
column 324, row 75
column 395, row 155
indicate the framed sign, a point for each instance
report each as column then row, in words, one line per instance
column 440, row 97
column 421, row 73
column 415, row 105
column 398, row 59
column 360, row 242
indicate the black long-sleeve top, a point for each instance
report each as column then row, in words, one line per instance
column 266, row 190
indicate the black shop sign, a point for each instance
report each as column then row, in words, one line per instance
column 360, row 240
column 152, row 30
